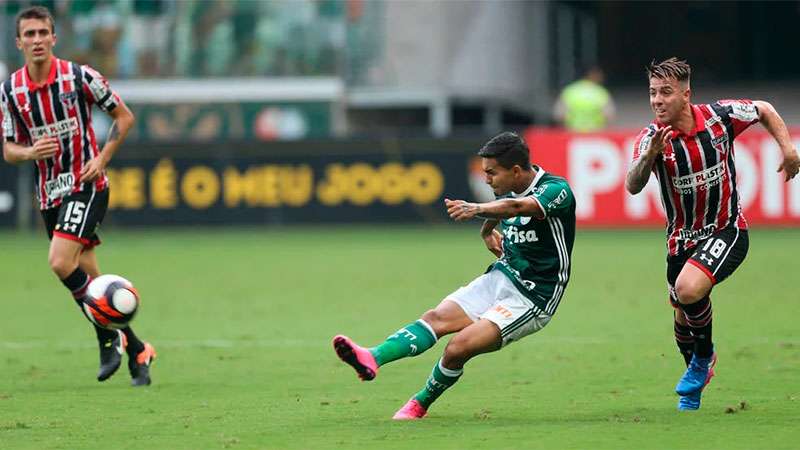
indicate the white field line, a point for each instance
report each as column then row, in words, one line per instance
column 309, row 343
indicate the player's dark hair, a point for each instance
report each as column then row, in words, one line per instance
column 36, row 12
column 673, row 68
column 508, row 149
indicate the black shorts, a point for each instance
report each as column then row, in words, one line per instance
column 78, row 217
column 718, row 256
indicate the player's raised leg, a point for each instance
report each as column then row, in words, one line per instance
column 480, row 337
column 410, row 340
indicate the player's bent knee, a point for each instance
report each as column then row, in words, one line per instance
column 431, row 317
column 457, row 352
column 62, row 265
column 437, row 321
column 689, row 291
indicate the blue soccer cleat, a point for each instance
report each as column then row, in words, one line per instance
column 690, row 402
column 697, row 376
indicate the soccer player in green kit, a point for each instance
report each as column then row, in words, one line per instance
column 517, row 295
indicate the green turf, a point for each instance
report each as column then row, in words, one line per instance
column 242, row 321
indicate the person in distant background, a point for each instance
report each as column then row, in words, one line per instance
column 47, row 110
column 585, row 105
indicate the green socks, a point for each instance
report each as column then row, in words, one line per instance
column 441, row 378
column 410, row 340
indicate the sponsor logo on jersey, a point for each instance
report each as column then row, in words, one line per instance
column 99, row 88
column 744, row 111
column 700, row 180
column 712, row 121
column 61, row 186
column 668, row 154
column 558, row 200
column 696, row 235
column 517, row 236
column 58, row 129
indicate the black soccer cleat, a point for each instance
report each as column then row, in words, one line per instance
column 139, row 367
column 111, row 352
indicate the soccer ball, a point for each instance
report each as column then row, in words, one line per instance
column 111, row 302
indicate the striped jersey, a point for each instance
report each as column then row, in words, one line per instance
column 697, row 173
column 537, row 252
column 59, row 108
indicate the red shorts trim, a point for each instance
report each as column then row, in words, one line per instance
column 704, row 269
column 87, row 244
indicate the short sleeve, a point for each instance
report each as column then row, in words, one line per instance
column 739, row 114
column 12, row 129
column 555, row 197
column 643, row 141
column 97, row 89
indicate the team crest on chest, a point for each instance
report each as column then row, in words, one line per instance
column 68, row 98
column 719, row 143
column 518, row 220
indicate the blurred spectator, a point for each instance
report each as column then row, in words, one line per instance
column 92, row 33
column 585, row 105
column 197, row 38
column 149, row 36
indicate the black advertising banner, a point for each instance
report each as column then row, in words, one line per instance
column 8, row 194
column 318, row 183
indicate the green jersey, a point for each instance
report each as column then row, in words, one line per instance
column 537, row 252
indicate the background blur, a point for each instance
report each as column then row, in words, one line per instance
column 299, row 111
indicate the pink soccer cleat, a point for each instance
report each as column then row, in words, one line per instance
column 410, row 411
column 356, row 356
column 711, row 369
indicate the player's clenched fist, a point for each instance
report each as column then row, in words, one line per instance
column 43, row 148
column 461, row 210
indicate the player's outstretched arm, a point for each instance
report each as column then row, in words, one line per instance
column 123, row 122
column 775, row 125
column 499, row 209
column 639, row 173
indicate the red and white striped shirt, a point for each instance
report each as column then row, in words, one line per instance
column 59, row 108
column 697, row 172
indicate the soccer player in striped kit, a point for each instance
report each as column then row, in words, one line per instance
column 46, row 110
column 689, row 147
column 519, row 293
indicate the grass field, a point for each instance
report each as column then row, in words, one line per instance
column 242, row 322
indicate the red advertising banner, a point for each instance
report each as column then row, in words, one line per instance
column 595, row 165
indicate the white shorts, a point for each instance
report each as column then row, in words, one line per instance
column 492, row 296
